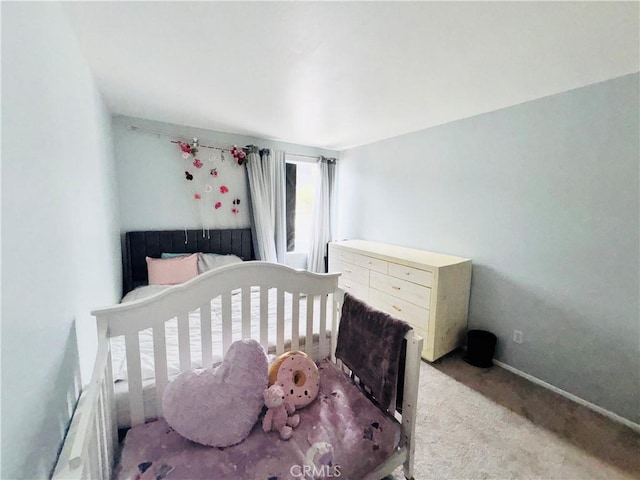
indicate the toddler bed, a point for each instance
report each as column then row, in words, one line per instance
column 91, row 447
column 236, row 243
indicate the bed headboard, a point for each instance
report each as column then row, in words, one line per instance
column 138, row 245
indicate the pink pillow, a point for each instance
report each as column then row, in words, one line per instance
column 171, row 271
column 219, row 406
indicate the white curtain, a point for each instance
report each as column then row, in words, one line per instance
column 321, row 233
column 266, row 176
column 280, row 203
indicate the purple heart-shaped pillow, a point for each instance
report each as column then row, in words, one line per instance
column 218, row 406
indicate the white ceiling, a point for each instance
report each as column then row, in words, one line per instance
column 336, row 75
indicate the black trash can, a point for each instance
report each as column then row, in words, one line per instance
column 481, row 345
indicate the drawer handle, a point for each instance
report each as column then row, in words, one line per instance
column 347, row 285
column 347, row 270
column 395, row 288
column 397, row 308
column 408, row 273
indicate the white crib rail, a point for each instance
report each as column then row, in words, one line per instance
column 92, row 438
column 153, row 312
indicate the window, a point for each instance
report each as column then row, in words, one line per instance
column 301, row 190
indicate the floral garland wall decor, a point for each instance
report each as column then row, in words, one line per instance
column 235, row 210
column 209, row 188
column 238, row 155
column 187, row 149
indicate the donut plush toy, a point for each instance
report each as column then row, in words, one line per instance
column 298, row 376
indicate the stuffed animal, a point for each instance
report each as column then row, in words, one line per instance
column 277, row 416
column 298, row 376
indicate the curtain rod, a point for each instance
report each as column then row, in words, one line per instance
column 315, row 157
column 135, row 128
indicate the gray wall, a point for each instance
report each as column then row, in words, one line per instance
column 544, row 198
column 151, row 174
column 60, row 233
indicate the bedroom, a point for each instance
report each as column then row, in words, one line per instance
column 535, row 152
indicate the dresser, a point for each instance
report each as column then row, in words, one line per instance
column 428, row 290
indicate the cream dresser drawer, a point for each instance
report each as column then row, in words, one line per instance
column 350, row 270
column 355, row 272
column 371, row 263
column 334, row 265
column 342, row 255
column 414, row 275
column 411, row 292
column 410, row 313
column 355, row 288
column 428, row 290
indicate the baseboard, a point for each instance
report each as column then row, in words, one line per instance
column 613, row 416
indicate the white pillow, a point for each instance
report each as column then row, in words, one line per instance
column 143, row 292
column 209, row 261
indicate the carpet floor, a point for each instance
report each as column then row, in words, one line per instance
column 489, row 423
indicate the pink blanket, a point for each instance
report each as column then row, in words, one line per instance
column 341, row 434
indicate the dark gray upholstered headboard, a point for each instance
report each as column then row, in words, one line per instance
column 138, row 245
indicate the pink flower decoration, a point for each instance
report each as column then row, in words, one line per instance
column 197, row 163
column 217, row 205
column 197, row 196
column 238, row 155
column 235, row 211
column 187, row 149
column 223, row 189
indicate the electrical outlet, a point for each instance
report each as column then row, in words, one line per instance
column 517, row 336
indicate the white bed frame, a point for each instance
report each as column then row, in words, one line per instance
column 91, row 443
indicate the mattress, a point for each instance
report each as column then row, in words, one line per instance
column 118, row 351
column 341, row 434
